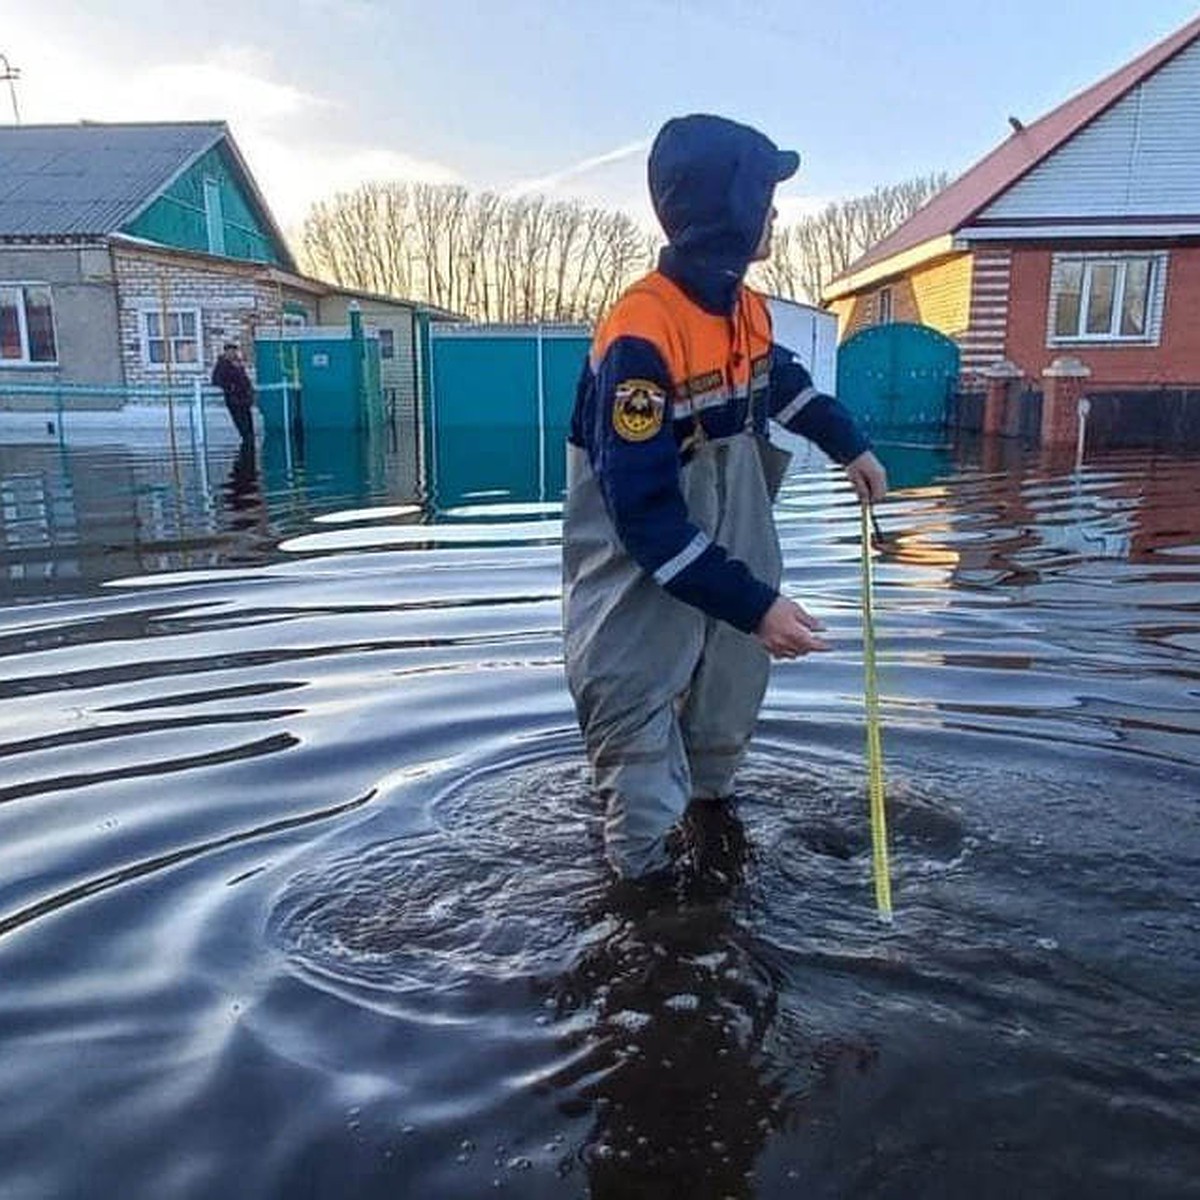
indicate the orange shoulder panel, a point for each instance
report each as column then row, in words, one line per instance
column 644, row 311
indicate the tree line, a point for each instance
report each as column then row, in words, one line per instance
column 529, row 258
column 489, row 257
column 807, row 254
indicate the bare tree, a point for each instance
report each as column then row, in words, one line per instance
column 526, row 258
column 519, row 258
column 808, row 254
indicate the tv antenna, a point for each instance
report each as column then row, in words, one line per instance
column 10, row 74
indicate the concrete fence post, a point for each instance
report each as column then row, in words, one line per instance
column 1000, row 402
column 1065, row 379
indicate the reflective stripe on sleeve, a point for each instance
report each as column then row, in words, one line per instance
column 793, row 407
column 690, row 405
column 682, row 560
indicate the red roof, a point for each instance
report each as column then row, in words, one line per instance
column 957, row 203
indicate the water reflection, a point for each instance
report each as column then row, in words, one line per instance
column 242, row 489
column 679, row 1002
column 302, row 894
column 74, row 515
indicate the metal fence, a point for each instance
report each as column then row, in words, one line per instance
column 72, row 412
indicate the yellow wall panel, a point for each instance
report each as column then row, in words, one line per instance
column 942, row 294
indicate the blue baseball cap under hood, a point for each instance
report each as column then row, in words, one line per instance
column 711, row 183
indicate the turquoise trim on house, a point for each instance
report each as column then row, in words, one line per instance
column 181, row 218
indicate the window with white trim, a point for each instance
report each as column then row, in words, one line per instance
column 27, row 325
column 214, row 217
column 171, row 336
column 387, row 343
column 1107, row 298
column 883, row 307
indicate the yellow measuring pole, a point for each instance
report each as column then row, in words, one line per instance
column 879, row 837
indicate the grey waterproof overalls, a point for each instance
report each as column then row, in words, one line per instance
column 667, row 696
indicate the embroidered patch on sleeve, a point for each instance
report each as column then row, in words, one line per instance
column 638, row 406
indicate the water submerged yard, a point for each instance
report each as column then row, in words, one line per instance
column 301, row 889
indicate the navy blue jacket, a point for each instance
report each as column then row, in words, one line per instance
column 712, row 183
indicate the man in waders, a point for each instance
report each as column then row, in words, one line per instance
column 671, row 560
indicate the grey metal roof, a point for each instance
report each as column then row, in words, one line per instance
column 89, row 179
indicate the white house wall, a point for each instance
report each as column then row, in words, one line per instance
column 1141, row 158
column 232, row 306
column 811, row 334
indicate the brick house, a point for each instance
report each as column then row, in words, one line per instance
column 130, row 252
column 1076, row 241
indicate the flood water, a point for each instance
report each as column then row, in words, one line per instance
column 302, row 893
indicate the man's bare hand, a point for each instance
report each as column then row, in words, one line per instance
column 867, row 477
column 788, row 631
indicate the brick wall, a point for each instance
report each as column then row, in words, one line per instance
column 983, row 342
column 852, row 314
column 231, row 301
column 1174, row 361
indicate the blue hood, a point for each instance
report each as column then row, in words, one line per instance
column 711, row 182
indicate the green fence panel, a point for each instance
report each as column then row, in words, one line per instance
column 498, row 403
column 563, row 359
column 335, row 392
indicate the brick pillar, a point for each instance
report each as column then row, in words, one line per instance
column 1064, row 381
column 1001, row 398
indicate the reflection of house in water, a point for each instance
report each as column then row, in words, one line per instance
column 80, row 515
column 94, row 514
column 1028, row 512
column 36, row 511
column 1164, row 506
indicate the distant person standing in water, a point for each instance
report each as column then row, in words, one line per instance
column 671, row 560
column 229, row 374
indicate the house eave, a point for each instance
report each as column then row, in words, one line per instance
column 58, row 240
column 897, row 264
column 1081, row 230
column 233, row 266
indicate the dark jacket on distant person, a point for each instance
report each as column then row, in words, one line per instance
column 230, row 376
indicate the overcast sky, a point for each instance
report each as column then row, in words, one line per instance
column 565, row 97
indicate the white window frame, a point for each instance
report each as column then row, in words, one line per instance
column 884, row 293
column 25, row 363
column 144, row 339
column 1155, row 298
column 214, row 216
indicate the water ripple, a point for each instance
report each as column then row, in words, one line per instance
column 302, row 889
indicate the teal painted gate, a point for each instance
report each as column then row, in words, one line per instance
column 498, row 402
column 320, row 377
column 897, row 376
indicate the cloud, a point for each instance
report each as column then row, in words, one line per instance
column 295, row 176
column 278, row 127
column 617, row 179
column 557, row 179
column 230, row 84
column 223, row 87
